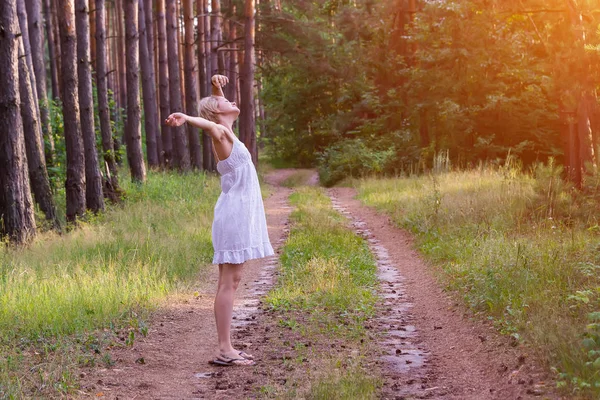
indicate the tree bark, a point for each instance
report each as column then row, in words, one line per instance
column 149, row 92
column 232, row 67
column 36, row 40
column 51, row 51
column 38, row 175
column 216, row 37
column 191, row 84
column 180, row 141
column 23, row 24
column 16, row 205
column 92, row 22
column 208, row 157
column 93, row 179
column 149, row 18
column 247, row 109
column 163, row 72
column 75, row 184
column 122, row 67
column 133, row 131
column 55, row 24
column 111, row 180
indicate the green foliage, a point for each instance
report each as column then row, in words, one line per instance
column 480, row 79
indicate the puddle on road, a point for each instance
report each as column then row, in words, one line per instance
column 402, row 353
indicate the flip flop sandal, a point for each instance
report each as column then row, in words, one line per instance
column 224, row 361
column 245, row 355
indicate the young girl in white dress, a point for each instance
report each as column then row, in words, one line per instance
column 239, row 230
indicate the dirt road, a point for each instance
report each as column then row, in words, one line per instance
column 427, row 345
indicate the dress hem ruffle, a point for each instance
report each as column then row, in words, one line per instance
column 243, row 255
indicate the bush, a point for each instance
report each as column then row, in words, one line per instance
column 352, row 158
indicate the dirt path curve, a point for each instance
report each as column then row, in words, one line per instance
column 464, row 359
column 172, row 361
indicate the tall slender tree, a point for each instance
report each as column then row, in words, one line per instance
column 133, row 130
column 23, row 25
column 52, row 53
column 122, row 65
column 150, row 26
column 247, row 109
column 75, row 183
column 216, row 36
column 163, row 72
column 38, row 175
column 54, row 7
column 149, row 92
column 36, row 40
column 191, row 83
column 16, row 206
column 93, row 179
column 180, row 140
column 111, row 181
column 207, row 153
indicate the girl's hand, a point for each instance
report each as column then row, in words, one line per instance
column 176, row 119
column 219, row 80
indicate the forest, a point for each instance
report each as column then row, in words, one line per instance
column 472, row 124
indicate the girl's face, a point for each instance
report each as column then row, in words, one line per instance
column 227, row 107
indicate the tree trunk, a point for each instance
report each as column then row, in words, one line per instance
column 191, row 83
column 51, row 52
column 232, row 67
column 93, row 179
column 75, row 184
column 38, row 175
column 247, row 109
column 36, row 40
column 163, row 72
column 58, row 53
column 180, row 142
column 216, row 36
column 149, row 91
column 208, row 157
column 16, row 206
column 23, row 24
column 92, row 22
column 111, row 181
column 133, row 131
column 122, row 67
column 149, row 18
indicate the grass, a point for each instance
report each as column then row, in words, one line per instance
column 327, row 270
column 298, row 178
column 521, row 248
column 325, row 292
column 60, row 294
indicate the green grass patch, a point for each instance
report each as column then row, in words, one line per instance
column 298, row 178
column 328, row 271
column 106, row 274
column 522, row 250
column 324, row 294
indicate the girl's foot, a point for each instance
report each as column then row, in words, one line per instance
column 225, row 361
column 245, row 355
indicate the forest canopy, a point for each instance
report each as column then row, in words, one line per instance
column 361, row 87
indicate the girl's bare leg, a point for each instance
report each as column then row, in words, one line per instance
column 229, row 279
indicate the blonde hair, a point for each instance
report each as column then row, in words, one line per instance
column 209, row 108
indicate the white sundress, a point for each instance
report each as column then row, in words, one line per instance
column 239, row 230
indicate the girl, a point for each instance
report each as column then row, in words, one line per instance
column 239, row 231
